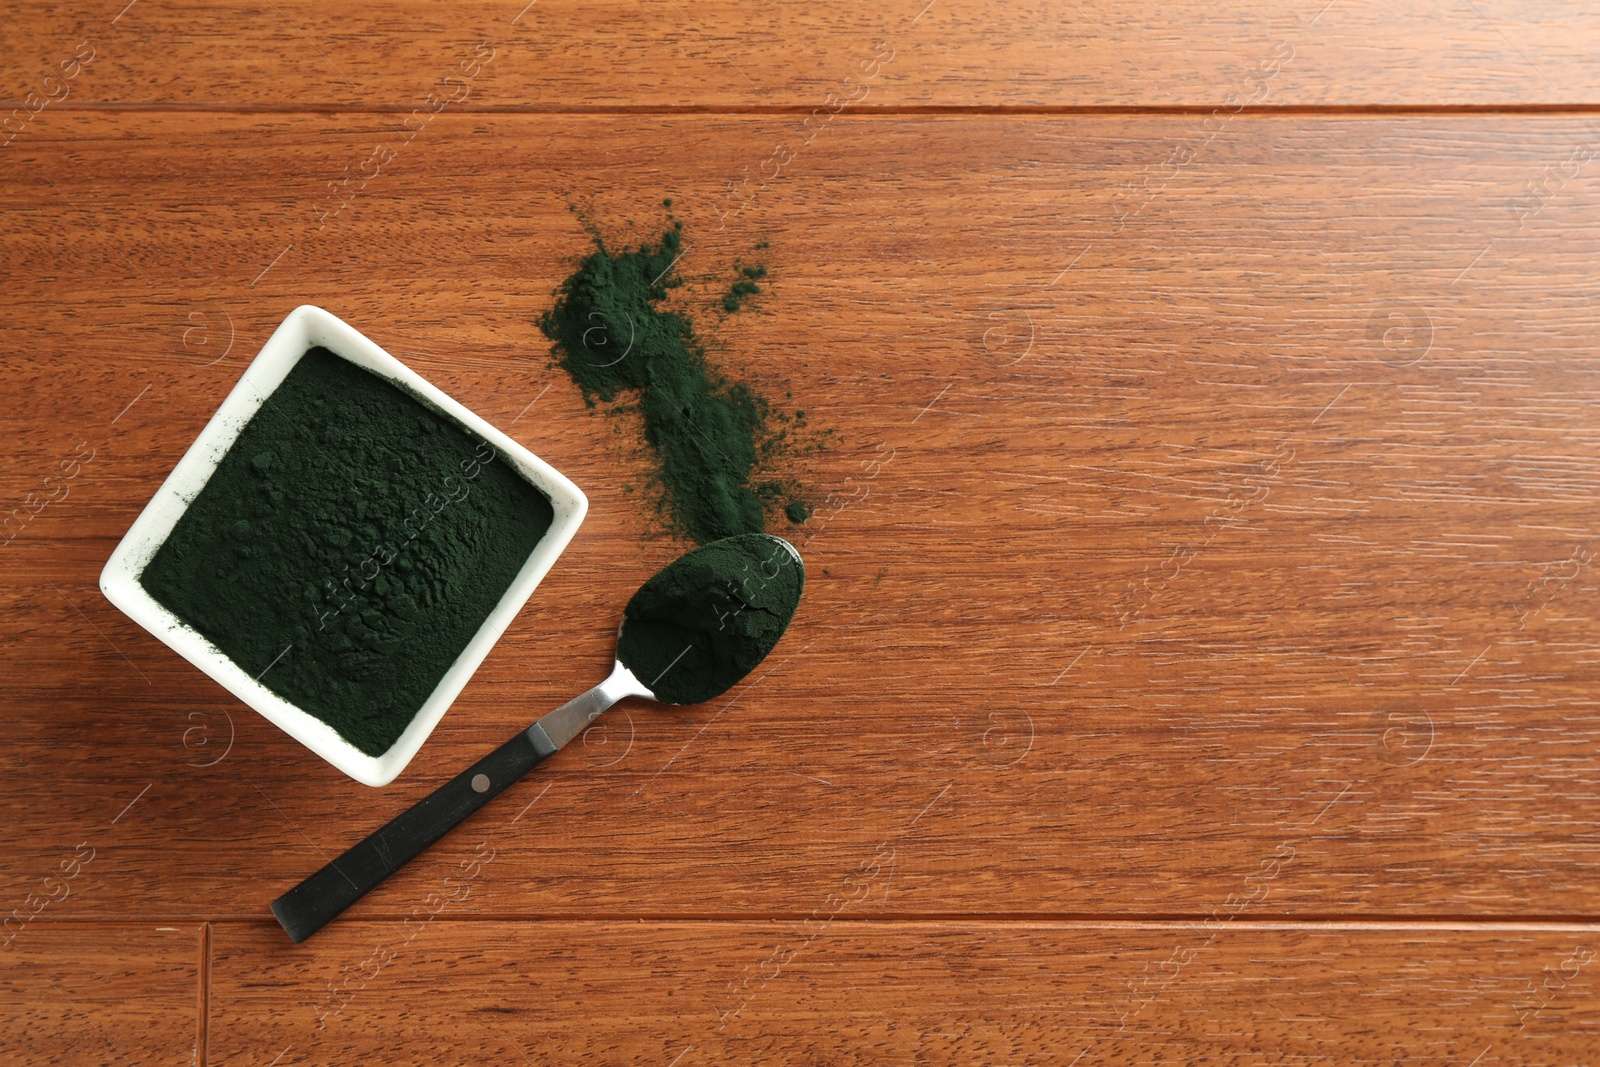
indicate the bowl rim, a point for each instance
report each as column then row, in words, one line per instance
column 306, row 327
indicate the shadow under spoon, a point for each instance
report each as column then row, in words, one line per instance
column 694, row 630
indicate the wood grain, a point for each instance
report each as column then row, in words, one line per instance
column 911, row 993
column 73, row 992
column 1198, row 658
column 1123, row 577
column 561, row 55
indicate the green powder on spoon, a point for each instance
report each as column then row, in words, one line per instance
column 706, row 620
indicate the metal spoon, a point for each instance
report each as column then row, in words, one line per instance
column 313, row 903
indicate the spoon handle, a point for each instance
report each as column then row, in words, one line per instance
column 309, row 906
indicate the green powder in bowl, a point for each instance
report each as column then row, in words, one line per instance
column 342, row 545
column 349, row 545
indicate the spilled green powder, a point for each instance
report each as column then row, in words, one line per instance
column 614, row 335
column 348, row 547
column 707, row 619
column 744, row 287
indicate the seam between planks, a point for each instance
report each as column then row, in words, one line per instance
column 757, row 110
column 1506, row 920
column 202, row 1036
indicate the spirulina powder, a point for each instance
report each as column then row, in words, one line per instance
column 704, row 622
column 348, row 547
column 614, row 334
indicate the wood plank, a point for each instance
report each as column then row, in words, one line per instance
column 562, row 55
column 850, row 992
column 1157, row 536
column 74, row 992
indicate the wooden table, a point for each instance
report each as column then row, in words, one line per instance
column 1198, row 663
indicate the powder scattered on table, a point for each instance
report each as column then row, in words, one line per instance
column 613, row 334
column 743, row 287
column 348, row 547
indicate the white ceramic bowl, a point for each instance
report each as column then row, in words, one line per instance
column 305, row 328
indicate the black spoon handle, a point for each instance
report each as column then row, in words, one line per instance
column 309, row 906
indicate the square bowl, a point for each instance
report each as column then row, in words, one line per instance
column 308, row 327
